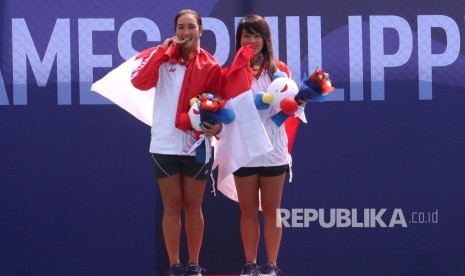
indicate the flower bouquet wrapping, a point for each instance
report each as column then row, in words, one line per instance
column 316, row 87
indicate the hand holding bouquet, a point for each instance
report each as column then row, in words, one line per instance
column 207, row 108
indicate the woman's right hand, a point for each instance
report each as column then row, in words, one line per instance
column 211, row 129
column 172, row 40
column 243, row 57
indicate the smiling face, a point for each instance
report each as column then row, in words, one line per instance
column 188, row 29
column 253, row 29
column 252, row 38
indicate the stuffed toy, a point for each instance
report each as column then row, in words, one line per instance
column 280, row 94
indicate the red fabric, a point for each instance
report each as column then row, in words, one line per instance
column 291, row 125
column 203, row 74
column 239, row 74
column 142, row 78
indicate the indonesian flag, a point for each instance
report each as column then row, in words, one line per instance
column 117, row 87
column 245, row 138
column 242, row 141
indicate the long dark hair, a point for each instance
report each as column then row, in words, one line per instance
column 256, row 24
column 196, row 15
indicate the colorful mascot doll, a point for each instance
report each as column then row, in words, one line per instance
column 207, row 108
column 284, row 94
column 280, row 94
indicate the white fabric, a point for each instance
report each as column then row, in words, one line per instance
column 117, row 87
column 244, row 139
column 165, row 137
column 208, row 146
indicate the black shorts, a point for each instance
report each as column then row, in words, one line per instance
column 261, row 171
column 166, row 165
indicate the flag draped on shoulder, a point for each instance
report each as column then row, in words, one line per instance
column 117, row 87
column 245, row 138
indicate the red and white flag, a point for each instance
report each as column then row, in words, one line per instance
column 117, row 87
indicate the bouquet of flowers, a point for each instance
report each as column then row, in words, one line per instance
column 212, row 109
column 207, row 108
column 316, row 87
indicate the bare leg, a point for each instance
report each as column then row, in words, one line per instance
column 271, row 193
column 171, row 194
column 193, row 191
column 247, row 192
